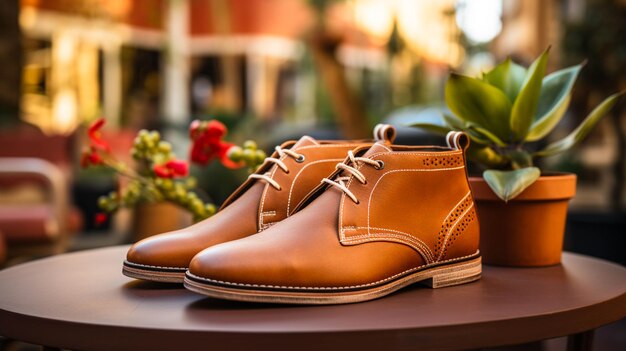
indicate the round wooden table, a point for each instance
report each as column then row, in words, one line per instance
column 82, row 301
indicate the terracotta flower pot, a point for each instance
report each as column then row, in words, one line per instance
column 528, row 230
column 156, row 218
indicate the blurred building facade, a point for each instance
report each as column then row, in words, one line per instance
column 160, row 63
column 137, row 61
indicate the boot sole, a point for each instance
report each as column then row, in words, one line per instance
column 153, row 273
column 439, row 276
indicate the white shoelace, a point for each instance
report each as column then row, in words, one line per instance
column 340, row 182
column 277, row 161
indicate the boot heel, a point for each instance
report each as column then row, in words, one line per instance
column 456, row 274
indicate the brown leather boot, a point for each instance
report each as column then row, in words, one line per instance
column 388, row 217
column 266, row 198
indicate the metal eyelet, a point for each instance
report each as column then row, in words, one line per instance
column 300, row 158
column 381, row 165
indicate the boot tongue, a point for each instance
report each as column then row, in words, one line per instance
column 305, row 141
column 377, row 148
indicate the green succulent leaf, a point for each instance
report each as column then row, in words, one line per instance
column 456, row 124
column 483, row 133
column 583, row 129
column 453, row 122
column 553, row 101
column 508, row 184
column 473, row 100
column 520, row 159
column 525, row 105
column 485, row 155
column 508, row 77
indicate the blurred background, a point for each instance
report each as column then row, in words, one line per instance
column 272, row 70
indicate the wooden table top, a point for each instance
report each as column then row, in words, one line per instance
column 82, row 301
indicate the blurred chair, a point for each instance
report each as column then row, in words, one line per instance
column 34, row 215
column 3, row 250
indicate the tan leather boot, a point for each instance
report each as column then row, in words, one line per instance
column 266, row 198
column 389, row 217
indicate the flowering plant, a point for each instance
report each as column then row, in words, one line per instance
column 159, row 175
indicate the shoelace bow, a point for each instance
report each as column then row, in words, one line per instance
column 340, row 182
column 277, row 161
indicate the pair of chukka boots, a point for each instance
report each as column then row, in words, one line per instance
column 327, row 222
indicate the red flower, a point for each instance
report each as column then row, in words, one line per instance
column 171, row 169
column 95, row 137
column 208, row 144
column 101, row 217
column 91, row 157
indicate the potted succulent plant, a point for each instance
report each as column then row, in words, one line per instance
column 522, row 210
column 158, row 186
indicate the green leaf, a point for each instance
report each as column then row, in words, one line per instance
column 456, row 124
column 583, row 129
column 520, row 159
column 473, row 100
column 483, row 133
column 508, row 77
column 430, row 124
column 553, row 101
column 453, row 122
column 525, row 105
column 508, row 184
column 486, row 156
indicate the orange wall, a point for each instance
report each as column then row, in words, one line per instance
column 138, row 13
column 288, row 18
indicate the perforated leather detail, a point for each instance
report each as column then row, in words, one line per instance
column 460, row 227
column 449, row 222
column 442, row 161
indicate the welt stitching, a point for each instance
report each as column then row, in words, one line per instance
column 148, row 265
column 330, row 287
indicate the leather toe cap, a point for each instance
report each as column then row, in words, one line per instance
column 164, row 250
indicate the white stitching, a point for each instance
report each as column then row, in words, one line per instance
column 400, row 238
column 261, row 205
column 369, row 201
column 332, row 145
column 410, row 237
column 293, row 182
column 330, row 287
column 450, row 214
column 452, row 227
column 469, row 193
column 147, row 265
column 418, row 153
column 343, row 195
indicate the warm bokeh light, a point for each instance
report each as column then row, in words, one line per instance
column 480, row 19
column 64, row 111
